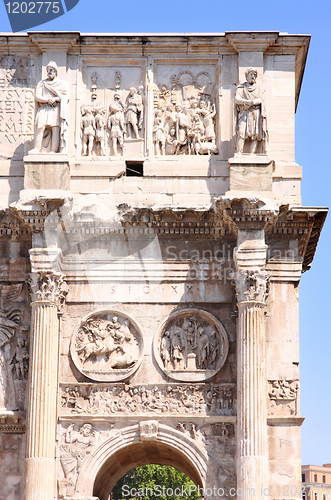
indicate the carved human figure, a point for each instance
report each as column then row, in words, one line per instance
column 116, row 124
column 213, row 348
column 208, row 113
column 100, row 125
column 134, row 112
column 203, row 348
column 78, row 446
column 20, row 359
column 52, row 97
column 165, row 349
column 8, row 325
column 195, row 134
column 252, row 117
column 182, row 126
column 88, row 130
column 176, row 348
column 158, row 133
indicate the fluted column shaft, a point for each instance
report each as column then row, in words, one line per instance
column 40, row 472
column 251, row 281
column 252, row 406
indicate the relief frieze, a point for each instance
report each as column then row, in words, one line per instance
column 283, row 397
column 123, row 399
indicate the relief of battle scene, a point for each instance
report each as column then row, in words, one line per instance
column 125, row 399
column 185, row 115
column 112, row 115
column 192, row 345
column 107, row 346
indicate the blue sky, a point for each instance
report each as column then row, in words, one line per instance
column 312, row 145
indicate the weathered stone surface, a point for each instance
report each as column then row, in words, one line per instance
column 163, row 246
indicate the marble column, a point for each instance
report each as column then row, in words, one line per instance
column 48, row 293
column 251, row 281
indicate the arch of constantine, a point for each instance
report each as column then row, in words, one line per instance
column 152, row 240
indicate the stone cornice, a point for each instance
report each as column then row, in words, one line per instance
column 251, row 41
column 46, row 41
column 301, row 223
column 12, row 422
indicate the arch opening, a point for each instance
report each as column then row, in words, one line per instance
column 132, row 456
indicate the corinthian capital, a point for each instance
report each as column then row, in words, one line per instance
column 48, row 286
column 251, row 285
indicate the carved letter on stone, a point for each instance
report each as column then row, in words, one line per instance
column 52, row 97
column 149, row 430
column 191, row 345
column 252, row 133
column 108, row 346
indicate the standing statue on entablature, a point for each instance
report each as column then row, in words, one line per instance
column 52, row 97
column 252, row 133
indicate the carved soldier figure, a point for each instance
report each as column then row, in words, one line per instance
column 252, row 117
column 165, row 349
column 116, row 124
column 100, row 125
column 158, row 133
column 177, row 355
column 134, row 112
column 203, row 348
column 88, row 130
column 52, row 96
column 182, row 126
column 208, row 114
column 20, row 359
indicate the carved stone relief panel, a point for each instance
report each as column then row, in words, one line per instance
column 108, row 346
column 14, row 349
column 219, row 442
column 191, row 345
column 17, row 81
column 112, row 111
column 184, row 111
column 283, row 397
column 76, row 442
column 123, row 399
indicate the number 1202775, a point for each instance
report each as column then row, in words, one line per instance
column 33, row 7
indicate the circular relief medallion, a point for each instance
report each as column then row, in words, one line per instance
column 108, row 346
column 191, row 345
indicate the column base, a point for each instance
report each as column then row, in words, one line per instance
column 39, row 479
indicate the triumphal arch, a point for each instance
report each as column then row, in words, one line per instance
column 152, row 243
